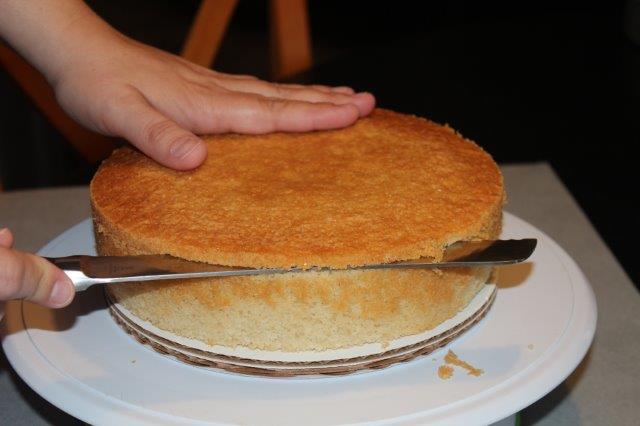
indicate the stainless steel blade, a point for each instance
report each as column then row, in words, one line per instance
column 85, row 271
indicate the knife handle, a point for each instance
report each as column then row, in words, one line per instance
column 71, row 266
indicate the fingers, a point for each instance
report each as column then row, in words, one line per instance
column 25, row 276
column 6, row 238
column 225, row 76
column 338, row 89
column 133, row 118
column 254, row 114
column 343, row 89
column 365, row 102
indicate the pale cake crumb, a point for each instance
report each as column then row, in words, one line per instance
column 298, row 312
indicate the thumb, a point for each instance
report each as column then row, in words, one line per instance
column 25, row 276
column 133, row 118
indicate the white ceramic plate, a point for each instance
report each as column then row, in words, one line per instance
column 540, row 327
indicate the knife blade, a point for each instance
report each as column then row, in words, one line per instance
column 86, row 271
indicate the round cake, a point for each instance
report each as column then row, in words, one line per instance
column 391, row 187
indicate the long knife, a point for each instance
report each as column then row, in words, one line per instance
column 86, row 271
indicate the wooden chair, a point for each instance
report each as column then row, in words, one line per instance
column 290, row 53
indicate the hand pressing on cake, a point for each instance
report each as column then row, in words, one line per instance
column 158, row 101
column 25, row 276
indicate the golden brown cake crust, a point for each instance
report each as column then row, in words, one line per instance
column 389, row 188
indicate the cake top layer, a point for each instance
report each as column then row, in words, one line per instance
column 391, row 187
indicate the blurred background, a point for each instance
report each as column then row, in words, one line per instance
column 554, row 81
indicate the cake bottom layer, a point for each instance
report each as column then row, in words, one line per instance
column 311, row 311
column 287, row 364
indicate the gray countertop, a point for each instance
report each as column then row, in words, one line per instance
column 602, row 390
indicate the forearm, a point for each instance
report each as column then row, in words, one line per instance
column 49, row 32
